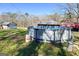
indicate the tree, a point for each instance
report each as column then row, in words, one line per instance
column 55, row 17
column 73, row 9
column 11, row 16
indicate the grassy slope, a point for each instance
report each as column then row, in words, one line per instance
column 15, row 45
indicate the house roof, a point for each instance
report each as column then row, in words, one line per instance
column 7, row 23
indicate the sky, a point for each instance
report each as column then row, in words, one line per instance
column 32, row 8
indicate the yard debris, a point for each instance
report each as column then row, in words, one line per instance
column 27, row 38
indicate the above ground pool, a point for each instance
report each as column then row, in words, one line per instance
column 50, row 33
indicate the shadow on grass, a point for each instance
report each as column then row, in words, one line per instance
column 18, row 34
column 30, row 50
column 48, row 49
column 76, row 38
column 61, row 51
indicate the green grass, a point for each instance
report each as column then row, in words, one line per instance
column 10, row 45
column 15, row 45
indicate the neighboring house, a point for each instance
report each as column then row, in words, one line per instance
column 9, row 25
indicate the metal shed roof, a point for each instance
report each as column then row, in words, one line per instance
column 7, row 23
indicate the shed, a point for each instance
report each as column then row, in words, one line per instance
column 9, row 25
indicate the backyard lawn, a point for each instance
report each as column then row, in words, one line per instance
column 12, row 43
